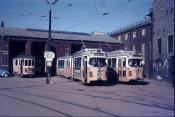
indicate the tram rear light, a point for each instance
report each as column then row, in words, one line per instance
column 90, row 74
column 130, row 73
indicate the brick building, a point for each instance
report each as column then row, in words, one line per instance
column 163, row 39
column 14, row 41
column 138, row 36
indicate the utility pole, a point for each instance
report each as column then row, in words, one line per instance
column 48, row 78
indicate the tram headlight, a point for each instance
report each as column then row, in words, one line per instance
column 90, row 74
column 130, row 73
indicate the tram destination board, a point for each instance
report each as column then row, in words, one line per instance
column 99, row 54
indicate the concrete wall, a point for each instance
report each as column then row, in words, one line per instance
column 163, row 26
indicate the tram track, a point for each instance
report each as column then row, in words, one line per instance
column 84, row 91
column 119, row 98
column 57, row 100
column 37, row 104
column 129, row 101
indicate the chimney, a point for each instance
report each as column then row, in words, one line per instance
column 2, row 23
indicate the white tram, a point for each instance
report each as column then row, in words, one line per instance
column 125, row 65
column 24, row 65
column 86, row 65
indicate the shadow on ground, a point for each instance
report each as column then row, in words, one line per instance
column 102, row 83
column 133, row 82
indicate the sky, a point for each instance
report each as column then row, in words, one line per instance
column 74, row 15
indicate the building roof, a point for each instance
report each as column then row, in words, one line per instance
column 56, row 35
column 134, row 26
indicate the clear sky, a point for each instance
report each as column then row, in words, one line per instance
column 74, row 15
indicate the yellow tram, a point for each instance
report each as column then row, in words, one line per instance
column 87, row 65
column 125, row 65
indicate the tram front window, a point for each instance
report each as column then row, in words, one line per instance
column 135, row 62
column 97, row 62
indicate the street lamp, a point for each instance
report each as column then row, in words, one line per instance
column 50, row 3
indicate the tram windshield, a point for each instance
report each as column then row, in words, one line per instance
column 97, row 62
column 135, row 62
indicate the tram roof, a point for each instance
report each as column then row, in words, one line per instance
column 121, row 52
column 88, row 51
column 56, row 35
column 64, row 57
column 23, row 56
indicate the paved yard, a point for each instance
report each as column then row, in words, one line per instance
column 32, row 97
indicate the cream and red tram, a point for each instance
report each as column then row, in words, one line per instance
column 24, row 65
column 127, row 65
column 64, row 66
column 86, row 65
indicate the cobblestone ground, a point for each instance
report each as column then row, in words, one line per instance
column 33, row 97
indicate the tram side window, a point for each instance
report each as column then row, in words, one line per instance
column 68, row 63
column 33, row 62
column 78, row 63
column 119, row 62
column 109, row 62
column 124, row 62
column 16, row 62
column 26, row 62
column 113, row 62
column 61, row 64
column 30, row 62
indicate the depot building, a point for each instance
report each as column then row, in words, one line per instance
column 14, row 41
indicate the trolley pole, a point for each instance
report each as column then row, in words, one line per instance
column 49, row 49
column 48, row 70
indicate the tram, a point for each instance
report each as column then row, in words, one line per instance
column 87, row 65
column 26, row 65
column 125, row 66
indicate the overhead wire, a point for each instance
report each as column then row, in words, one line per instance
column 106, row 13
column 73, row 26
column 99, row 15
column 35, row 23
column 108, row 45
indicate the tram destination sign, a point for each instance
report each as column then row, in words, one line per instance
column 99, row 54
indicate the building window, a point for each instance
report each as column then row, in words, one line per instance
column 134, row 48
column 171, row 10
column 119, row 37
column 159, row 45
column 134, row 35
column 143, row 32
column 167, row 12
column 126, row 36
column 170, row 43
column 143, row 51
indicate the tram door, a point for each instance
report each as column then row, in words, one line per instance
column 85, row 68
column 121, row 68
